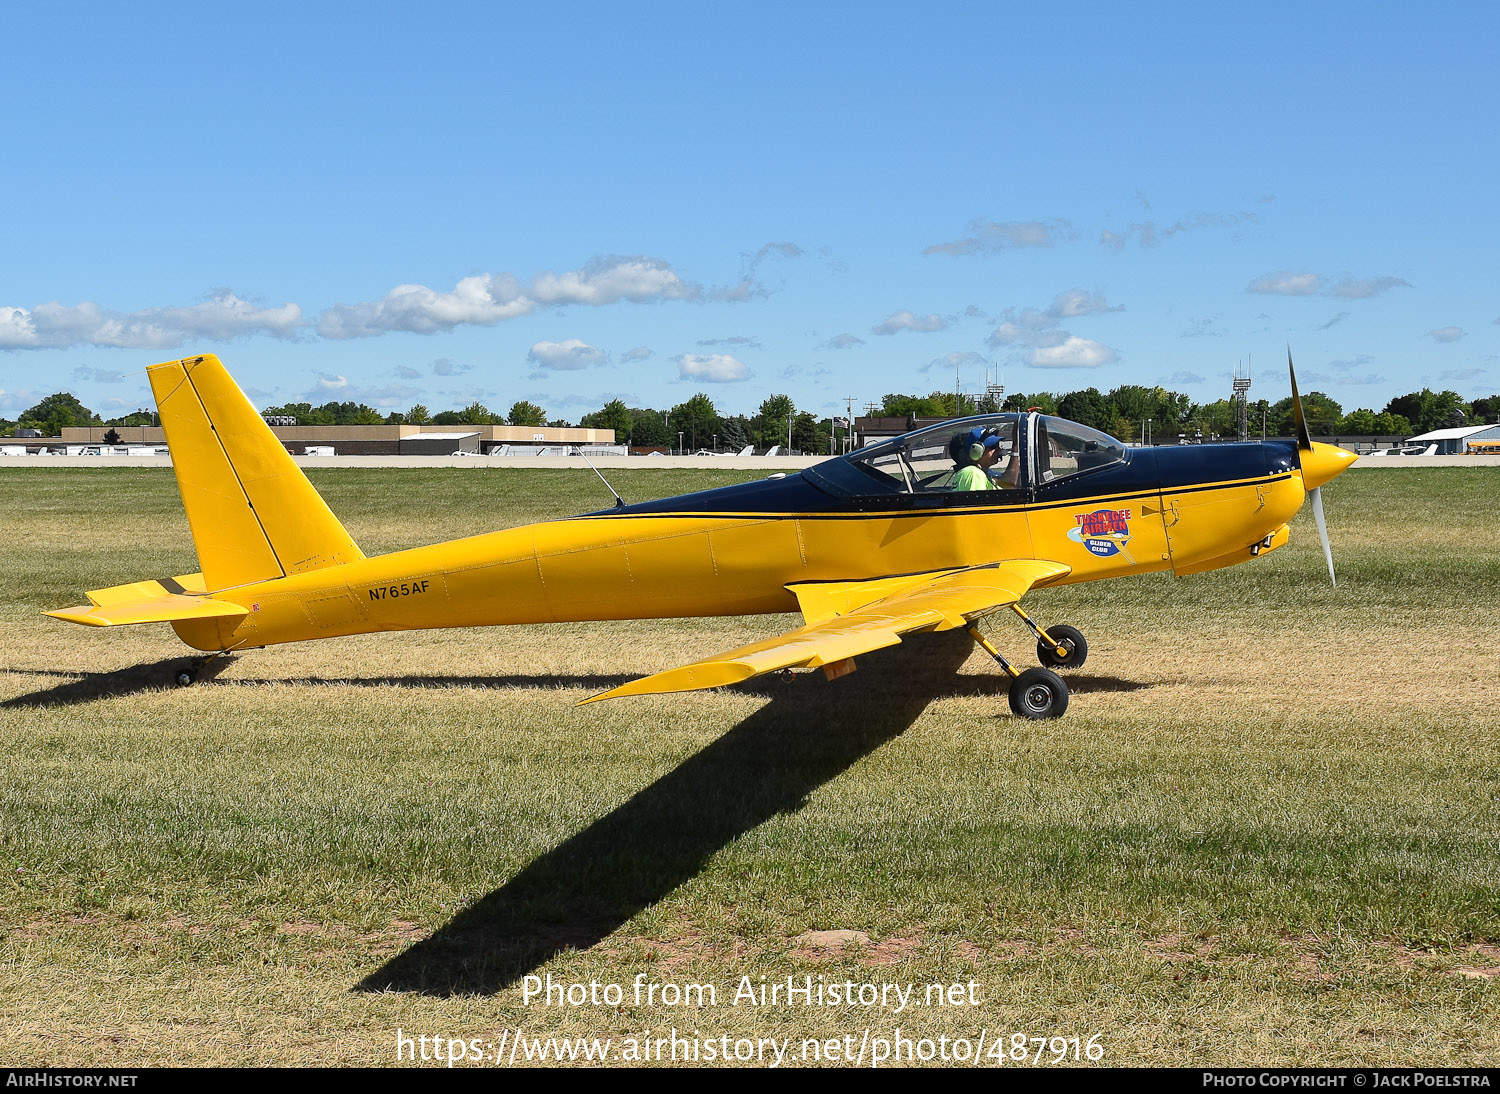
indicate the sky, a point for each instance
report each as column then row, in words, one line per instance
column 377, row 203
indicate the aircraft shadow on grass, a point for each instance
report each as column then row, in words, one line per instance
column 86, row 687
column 587, row 887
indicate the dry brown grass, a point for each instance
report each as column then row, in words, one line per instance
column 1267, row 831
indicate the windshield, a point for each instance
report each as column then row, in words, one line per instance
column 1065, row 448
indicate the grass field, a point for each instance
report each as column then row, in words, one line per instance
column 1267, row 830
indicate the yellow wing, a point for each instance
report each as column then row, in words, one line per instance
column 846, row 618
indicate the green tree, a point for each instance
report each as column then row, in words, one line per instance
column 136, row 418
column 1218, row 418
column 1044, row 401
column 770, row 422
column 734, row 433
column 476, row 413
column 1487, row 409
column 809, row 434
column 1392, row 425
column 648, row 428
column 1087, row 407
column 418, row 415
column 526, row 413
column 57, row 412
column 903, row 406
column 615, row 416
column 1323, row 415
column 696, row 420
column 1427, row 410
column 449, row 417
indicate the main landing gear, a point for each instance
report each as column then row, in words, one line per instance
column 1040, row 692
column 187, row 676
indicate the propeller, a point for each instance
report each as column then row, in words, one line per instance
column 1305, row 445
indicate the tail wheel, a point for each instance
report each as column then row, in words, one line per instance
column 1073, row 649
column 185, row 678
column 1038, row 693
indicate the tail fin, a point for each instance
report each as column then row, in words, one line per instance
column 253, row 514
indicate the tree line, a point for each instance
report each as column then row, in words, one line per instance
column 1125, row 412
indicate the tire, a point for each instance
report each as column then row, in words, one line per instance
column 185, row 678
column 1038, row 693
column 1070, row 639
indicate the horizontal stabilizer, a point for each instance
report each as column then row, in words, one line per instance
column 935, row 602
column 161, row 601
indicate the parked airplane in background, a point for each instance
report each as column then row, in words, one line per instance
column 882, row 542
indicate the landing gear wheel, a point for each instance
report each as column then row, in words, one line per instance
column 1074, row 651
column 186, row 678
column 1038, row 693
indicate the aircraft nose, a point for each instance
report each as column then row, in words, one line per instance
column 1323, row 462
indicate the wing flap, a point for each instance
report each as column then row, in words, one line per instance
column 938, row 601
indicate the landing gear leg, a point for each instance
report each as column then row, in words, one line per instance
column 1059, row 646
column 1034, row 693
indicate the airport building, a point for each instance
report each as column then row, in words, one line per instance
column 373, row 440
column 1459, row 440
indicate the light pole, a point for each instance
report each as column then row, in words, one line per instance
column 680, row 452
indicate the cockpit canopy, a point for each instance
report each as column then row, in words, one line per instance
column 1034, row 451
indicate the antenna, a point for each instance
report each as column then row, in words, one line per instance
column 619, row 501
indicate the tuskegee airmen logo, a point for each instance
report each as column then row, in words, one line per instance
column 1103, row 532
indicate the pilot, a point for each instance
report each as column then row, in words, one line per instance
column 975, row 452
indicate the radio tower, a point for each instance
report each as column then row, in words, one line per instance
column 994, row 389
column 1242, row 401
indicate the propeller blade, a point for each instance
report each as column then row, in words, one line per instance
column 1304, row 438
column 1315, row 495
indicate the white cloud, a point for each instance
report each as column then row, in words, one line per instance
column 1360, row 289
column 407, row 373
column 734, row 340
column 444, row 367
column 1286, row 283
column 714, row 368
column 992, row 237
column 954, row 360
column 1184, row 378
column 219, row 318
column 1339, row 318
column 639, row 353
column 1446, row 334
column 1072, row 352
column 905, row 320
column 1461, row 374
column 775, row 250
column 18, row 400
column 1076, row 302
column 566, row 356
column 1202, row 328
column 1006, row 334
column 1290, row 283
column 486, row 299
column 87, row 373
column 842, row 341
column 328, row 384
column 1149, row 234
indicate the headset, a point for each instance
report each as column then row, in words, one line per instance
column 970, row 446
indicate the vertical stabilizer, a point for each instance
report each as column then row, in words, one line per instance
column 253, row 514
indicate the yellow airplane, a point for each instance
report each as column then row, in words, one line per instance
column 889, row 540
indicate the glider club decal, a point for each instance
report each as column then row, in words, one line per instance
column 1104, row 532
